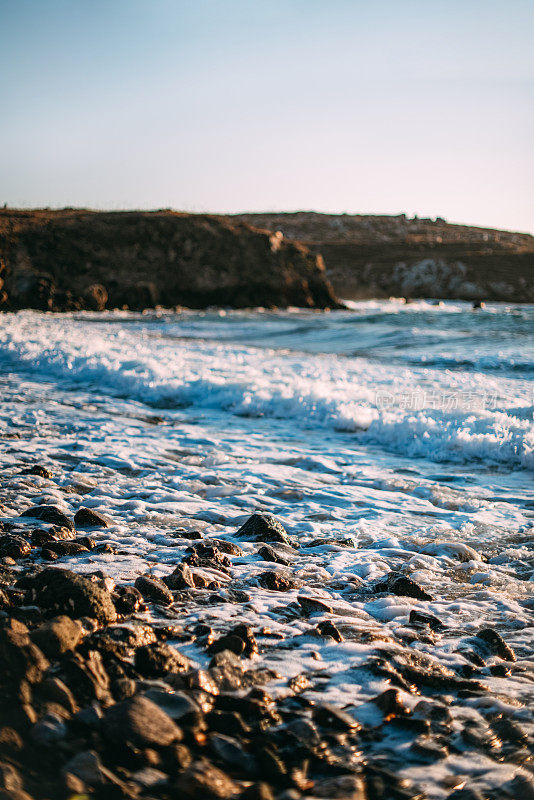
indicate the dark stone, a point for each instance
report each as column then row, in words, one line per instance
column 175, row 704
column 327, row 628
column 13, row 546
column 10, row 778
column 177, row 758
column 181, row 578
column 10, row 740
column 128, row 600
column 140, row 721
column 158, row 660
column 62, row 591
column 508, row 731
column 39, row 470
column 41, row 537
column 228, row 750
column 231, row 548
column 4, row 601
column 496, row 644
column 228, row 722
column 89, row 518
column 429, row 749
column 239, row 640
column 227, row 642
column 48, row 555
column 209, row 556
column 269, row 554
column 203, row 781
column 20, row 658
column 312, row 605
column 246, row 633
column 254, row 710
column 86, row 677
column 348, row 787
column 263, row 528
column 402, row 586
column 275, row 582
column 66, row 548
column 328, row 716
column 87, row 541
column 499, row 670
column 57, row 636
column 389, row 702
column 56, row 691
column 95, row 297
column 154, row 590
column 417, row 618
column 522, row 787
column 50, row 514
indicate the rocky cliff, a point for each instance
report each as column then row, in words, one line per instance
column 379, row 256
column 72, row 259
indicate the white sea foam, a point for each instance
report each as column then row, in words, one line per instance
column 422, row 412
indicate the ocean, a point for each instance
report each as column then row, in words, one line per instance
column 386, row 437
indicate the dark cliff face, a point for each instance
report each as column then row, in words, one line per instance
column 379, row 256
column 71, row 259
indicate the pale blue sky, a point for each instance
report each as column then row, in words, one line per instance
column 240, row 105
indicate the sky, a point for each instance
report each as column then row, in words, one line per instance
column 386, row 107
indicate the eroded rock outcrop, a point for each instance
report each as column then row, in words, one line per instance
column 73, row 259
column 380, row 256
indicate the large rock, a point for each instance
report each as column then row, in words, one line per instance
column 64, row 259
column 140, row 721
column 57, row 636
column 50, row 514
column 263, row 528
column 89, row 518
column 383, row 256
column 20, row 658
column 65, row 592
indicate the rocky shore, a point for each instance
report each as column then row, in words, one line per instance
column 377, row 256
column 144, row 689
column 74, row 259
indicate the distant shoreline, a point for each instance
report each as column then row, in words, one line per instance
column 69, row 260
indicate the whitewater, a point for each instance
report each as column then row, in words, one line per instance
column 385, row 437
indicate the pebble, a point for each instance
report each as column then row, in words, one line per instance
column 276, row 582
column 270, row 554
column 263, row 528
column 141, row 721
column 154, row 590
column 496, row 644
column 50, row 514
column 158, row 660
column 13, row 546
column 77, row 596
column 89, row 518
column 57, row 636
column 402, row 586
column 203, row 780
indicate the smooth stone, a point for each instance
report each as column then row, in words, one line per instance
column 50, row 514
column 89, row 518
column 57, row 636
column 263, row 528
column 141, row 721
column 154, row 590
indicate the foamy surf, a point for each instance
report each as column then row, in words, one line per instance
column 424, row 411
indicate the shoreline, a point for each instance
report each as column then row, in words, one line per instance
column 90, row 663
